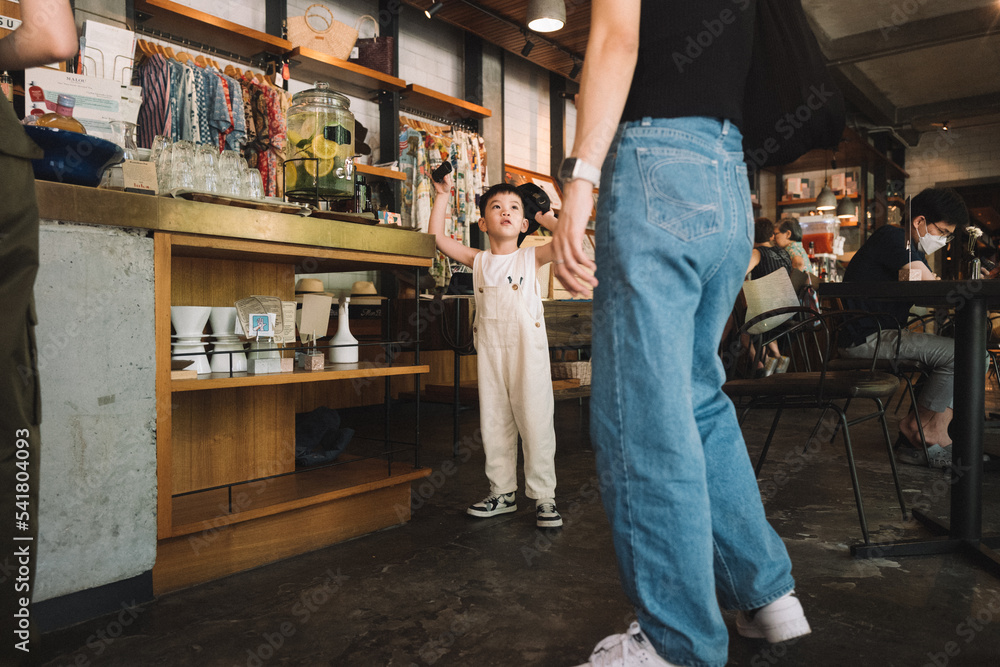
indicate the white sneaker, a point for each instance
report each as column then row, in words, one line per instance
column 777, row 622
column 494, row 504
column 630, row 649
column 546, row 514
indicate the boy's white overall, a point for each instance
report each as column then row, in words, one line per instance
column 515, row 383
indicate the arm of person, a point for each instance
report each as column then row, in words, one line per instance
column 47, row 34
column 544, row 253
column 612, row 52
column 449, row 246
column 754, row 261
column 925, row 271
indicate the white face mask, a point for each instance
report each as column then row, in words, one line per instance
column 930, row 244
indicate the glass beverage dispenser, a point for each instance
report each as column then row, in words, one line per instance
column 320, row 149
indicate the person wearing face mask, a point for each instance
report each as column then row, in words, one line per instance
column 936, row 216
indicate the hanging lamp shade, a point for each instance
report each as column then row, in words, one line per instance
column 827, row 201
column 846, row 208
column 546, row 15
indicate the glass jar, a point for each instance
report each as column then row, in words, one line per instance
column 320, row 149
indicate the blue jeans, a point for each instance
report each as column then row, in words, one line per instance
column 674, row 236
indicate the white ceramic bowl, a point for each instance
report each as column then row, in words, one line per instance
column 189, row 320
column 223, row 320
column 221, row 361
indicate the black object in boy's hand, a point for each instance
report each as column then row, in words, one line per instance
column 535, row 201
column 443, row 170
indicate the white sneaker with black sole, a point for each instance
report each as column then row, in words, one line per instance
column 546, row 514
column 494, row 504
column 777, row 622
column 629, row 649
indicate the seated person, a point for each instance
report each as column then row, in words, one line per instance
column 766, row 256
column 936, row 215
column 788, row 237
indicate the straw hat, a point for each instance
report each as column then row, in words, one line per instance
column 363, row 287
column 310, row 286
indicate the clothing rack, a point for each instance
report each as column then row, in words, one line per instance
column 465, row 123
column 260, row 63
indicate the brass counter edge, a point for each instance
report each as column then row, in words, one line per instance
column 73, row 203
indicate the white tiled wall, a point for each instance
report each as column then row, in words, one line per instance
column 526, row 115
column 431, row 54
column 569, row 111
column 249, row 13
column 957, row 155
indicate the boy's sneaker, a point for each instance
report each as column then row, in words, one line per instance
column 777, row 622
column 493, row 504
column 630, row 649
column 546, row 514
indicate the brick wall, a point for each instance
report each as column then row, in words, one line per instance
column 960, row 154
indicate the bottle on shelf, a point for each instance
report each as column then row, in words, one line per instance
column 7, row 85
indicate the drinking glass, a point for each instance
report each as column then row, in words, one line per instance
column 182, row 165
column 207, row 168
column 230, row 173
column 253, row 183
column 163, row 161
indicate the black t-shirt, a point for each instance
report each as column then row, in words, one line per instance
column 879, row 260
column 693, row 59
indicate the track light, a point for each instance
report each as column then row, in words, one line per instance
column 546, row 15
column 434, row 9
column 577, row 66
column 528, row 46
column 944, row 126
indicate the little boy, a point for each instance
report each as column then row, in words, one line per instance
column 515, row 385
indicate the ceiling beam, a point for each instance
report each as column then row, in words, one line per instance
column 897, row 34
column 951, row 109
column 864, row 95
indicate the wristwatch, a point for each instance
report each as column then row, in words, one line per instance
column 573, row 168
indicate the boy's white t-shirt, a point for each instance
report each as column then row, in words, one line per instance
column 498, row 270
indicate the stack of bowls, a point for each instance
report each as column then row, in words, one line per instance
column 227, row 349
column 189, row 325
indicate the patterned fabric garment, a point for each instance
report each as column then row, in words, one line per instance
column 190, row 128
column 421, row 150
column 237, row 137
column 229, row 110
column 154, row 114
column 176, row 98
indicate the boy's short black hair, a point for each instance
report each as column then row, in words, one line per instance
column 763, row 230
column 940, row 205
column 498, row 189
column 791, row 225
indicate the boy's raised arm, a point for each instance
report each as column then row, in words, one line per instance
column 449, row 246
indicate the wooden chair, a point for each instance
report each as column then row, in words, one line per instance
column 824, row 389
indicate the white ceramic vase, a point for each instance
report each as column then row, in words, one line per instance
column 346, row 351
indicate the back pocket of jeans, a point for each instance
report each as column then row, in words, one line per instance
column 682, row 191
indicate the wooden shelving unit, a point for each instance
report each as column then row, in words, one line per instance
column 226, row 446
column 425, row 99
column 190, row 24
column 806, row 202
column 309, row 64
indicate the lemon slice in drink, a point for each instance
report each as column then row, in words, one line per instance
column 299, row 131
column 291, row 175
column 325, row 167
column 323, row 148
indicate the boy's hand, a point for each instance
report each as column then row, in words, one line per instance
column 444, row 187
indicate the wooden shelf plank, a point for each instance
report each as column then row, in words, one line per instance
column 310, row 65
column 425, row 99
column 193, row 513
column 574, row 392
column 803, row 202
column 324, row 259
column 182, row 21
column 381, row 172
column 333, row 372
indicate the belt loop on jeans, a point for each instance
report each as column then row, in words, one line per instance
column 725, row 128
column 646, row 121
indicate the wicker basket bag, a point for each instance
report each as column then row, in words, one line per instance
column 318, row 30
column 374, row 52
column 568, row 370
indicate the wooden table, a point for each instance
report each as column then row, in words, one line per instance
column 970, row 300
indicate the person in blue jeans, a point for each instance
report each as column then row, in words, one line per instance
column 674, row 235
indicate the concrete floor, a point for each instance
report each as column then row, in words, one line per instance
column 447, row 589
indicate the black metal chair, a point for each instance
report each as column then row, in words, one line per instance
column 824, row 389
